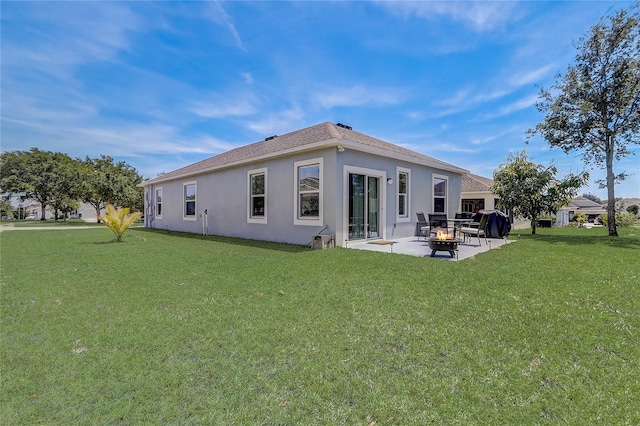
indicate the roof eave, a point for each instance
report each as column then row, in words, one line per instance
column 347, row 144
column 328, row 143
column 309, row 147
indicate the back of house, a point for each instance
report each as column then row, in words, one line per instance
column 325, row 179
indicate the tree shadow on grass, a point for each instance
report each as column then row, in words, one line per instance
column 114, row 241
column 266, row 245
column 628, row 240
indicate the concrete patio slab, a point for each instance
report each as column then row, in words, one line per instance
column 413, row 247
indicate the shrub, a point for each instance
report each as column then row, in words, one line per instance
column 622, row 219
column 581, row 218
column 118, row 220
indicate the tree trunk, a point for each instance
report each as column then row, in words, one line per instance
column 533, row 226
column 44, row 211
column 97, row 213
column 611, row 197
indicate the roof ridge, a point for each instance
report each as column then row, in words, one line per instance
column 333, row 131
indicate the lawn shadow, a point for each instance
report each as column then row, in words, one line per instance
column 623, row 241
column 267, row 245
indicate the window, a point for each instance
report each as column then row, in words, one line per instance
column 308, row 195
column 439, row 194
column 190, row 200
column 403, row 195
column 257, row 206
column 472, row 205
column 159, row 203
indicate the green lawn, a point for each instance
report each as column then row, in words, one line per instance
column 48, row 222
column 168, row 328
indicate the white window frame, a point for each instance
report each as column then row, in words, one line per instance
column 158, row 203
column 184, row 201
column 380, row 174
column 446, row 192
column 311, row 221
column 250, row 217
column 407, row 215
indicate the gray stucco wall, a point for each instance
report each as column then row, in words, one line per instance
column 224, row 194
column 420, row 190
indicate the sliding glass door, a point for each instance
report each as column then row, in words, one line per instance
column 364, row 206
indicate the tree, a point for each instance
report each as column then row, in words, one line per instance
column 118, row 220
column 41, row 175
column 595, row 107
column 6, row 209
column 633, row 209
column 530, row 190
column 592, row 197
column 108, row 182
column 66, row 190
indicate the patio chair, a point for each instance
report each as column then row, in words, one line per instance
column 481, row 231
column 438, row 220
column 464, row 215
column 422, row 228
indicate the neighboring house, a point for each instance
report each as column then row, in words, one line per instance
column 476, row 196
column 27, row 208
column 32, row 209
column 580, row 205
column 86, row 212
column 325, row 179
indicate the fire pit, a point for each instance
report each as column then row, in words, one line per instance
column 443, row 242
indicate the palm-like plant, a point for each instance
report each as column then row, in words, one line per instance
column 118, row 220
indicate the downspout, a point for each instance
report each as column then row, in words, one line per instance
column 205, row 223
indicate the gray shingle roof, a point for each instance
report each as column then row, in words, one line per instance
column 585, row 203
column 320, row 135
column 475, row 183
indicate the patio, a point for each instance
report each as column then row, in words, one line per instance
column 413, row 247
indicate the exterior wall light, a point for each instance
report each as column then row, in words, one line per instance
column 390, row 181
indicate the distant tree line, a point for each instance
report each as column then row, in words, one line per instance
column 58, row 181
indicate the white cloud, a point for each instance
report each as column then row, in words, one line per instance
column 523, row 103
column 464, row 100
column 484, row 139
column 219, row 106
column 355, row 96
column 449, row 147
column 219, row 16
column 248, row 78
column 278, row 123
column 480, row 15
column 74, row 33
column 531, row 77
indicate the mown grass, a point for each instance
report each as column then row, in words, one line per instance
column 49, row 222
column 169, row 328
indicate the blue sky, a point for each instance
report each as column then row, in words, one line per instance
column 163, row 84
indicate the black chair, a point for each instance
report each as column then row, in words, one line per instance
column 422, row 228
column 464, row 215
column 437, row 220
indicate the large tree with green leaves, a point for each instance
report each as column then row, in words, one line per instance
column 108, row 182
column 44, row 176
column 530, row 190
column 595, row 107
